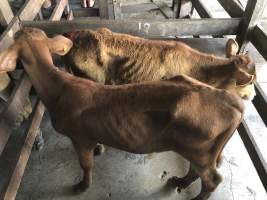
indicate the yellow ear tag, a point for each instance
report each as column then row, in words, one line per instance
column 65, row 48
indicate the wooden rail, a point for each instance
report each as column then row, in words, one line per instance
column 15, row 180
column 148, row 28
column 6, row 13
column 201, row 9
column 232, row 7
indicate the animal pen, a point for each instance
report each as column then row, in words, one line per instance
column 205, row 32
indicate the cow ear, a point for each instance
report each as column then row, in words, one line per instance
column 8, row 59
column 59, row 45
column 243, row 78
column 231, row 48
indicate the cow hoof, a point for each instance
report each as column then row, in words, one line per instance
column 19, row 120
column 80, row 187
column 25, row 113
column 99, row 149
column 39, row 141
column 177, row 182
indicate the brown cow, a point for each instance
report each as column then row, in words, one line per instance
column 115, row 58
column 179, row 114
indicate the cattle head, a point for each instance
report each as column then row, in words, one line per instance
column 243, row 71
column 31, row 44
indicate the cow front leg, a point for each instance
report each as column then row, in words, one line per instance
column 184, row 182
column 25, row 113
column 85, row 155
column 99, row 149
column 210, row 179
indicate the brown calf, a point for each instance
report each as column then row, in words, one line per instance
column 115, row 58
column 179, row 114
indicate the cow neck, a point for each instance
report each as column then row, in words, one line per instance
column 203, row 65
column 44, row 76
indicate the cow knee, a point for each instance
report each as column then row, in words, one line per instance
column 211, row 180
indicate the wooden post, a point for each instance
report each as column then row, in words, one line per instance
column 164, row 8
column 232, row 7
column 186, row 9
column 6, row 13
column 6, row 16
column 176, row 7
column 103, row 9
column 117, row 9
column 201, row 9
column 16, row 177
column 252, row 15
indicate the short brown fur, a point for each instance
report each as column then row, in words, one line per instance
column 115, row 58
column 165, row 113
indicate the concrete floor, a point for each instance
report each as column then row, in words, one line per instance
column 118, row 175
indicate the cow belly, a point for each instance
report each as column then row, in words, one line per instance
column 130, row 131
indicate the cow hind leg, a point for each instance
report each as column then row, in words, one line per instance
column 210, row 179
column 85, row 155
column 182, row 183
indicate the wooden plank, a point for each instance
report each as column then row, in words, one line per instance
column 30, row 9
column 6, row 86
column 117, row 9
column 58, row 10
column 70, row 16
column 232, row 7
column 201, row 9
column 149, row 28
column 186, row 9
column 176, row 7
column 6, row 39
column 86, row 12
column 252, row 15
column 164, row 8
column 67, row 9
column 132, row 3
column 6, row 13
column 103, row 9
column 260, row 102
column 17, row 175
column 258, row 37
column 253, row 133
column 12, row 109
column 139, row 8
column 110, row 9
